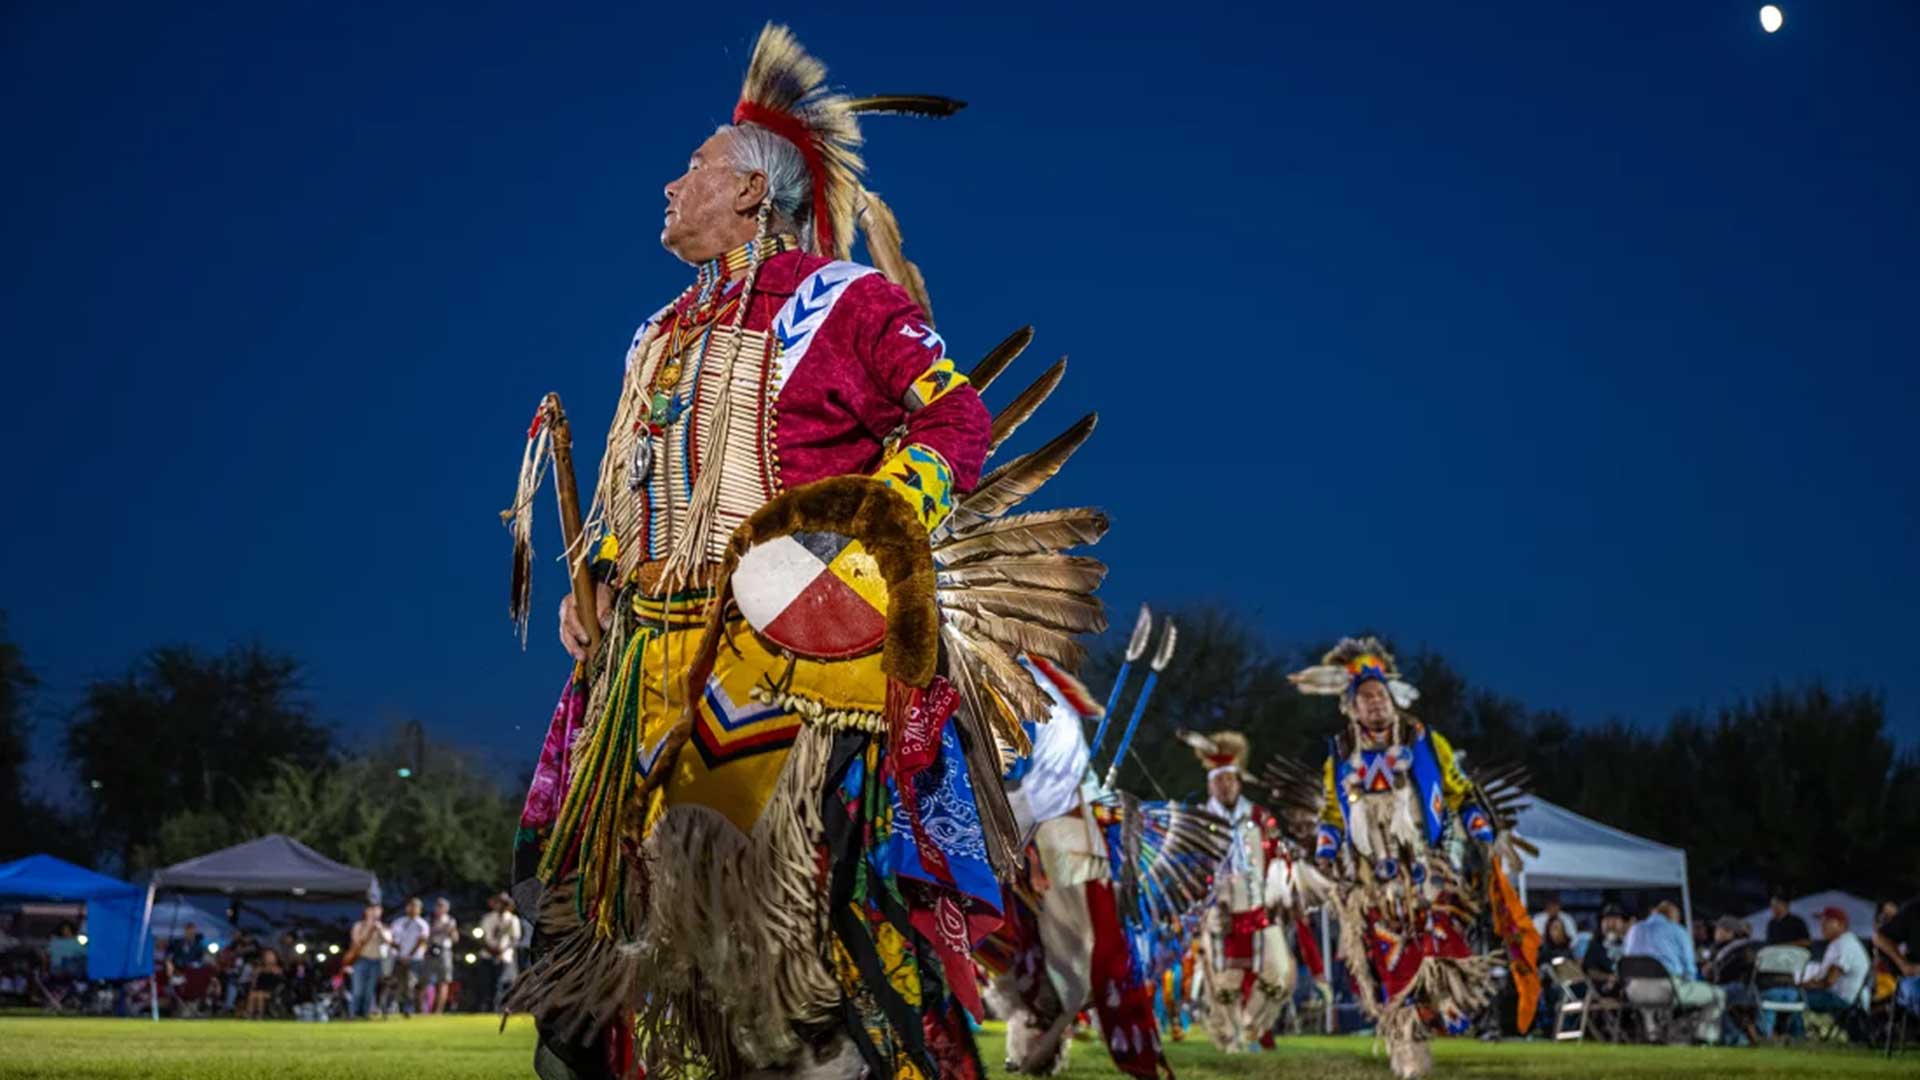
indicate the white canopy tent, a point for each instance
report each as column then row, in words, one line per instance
column 1580, row 853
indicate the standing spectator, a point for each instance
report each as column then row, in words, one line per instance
column 500, row 935
column 367, row 946
column 443, row 939
column 1898, row 940
column 1786, row 928
column 1554, row 914
column 1834, row 984
column 1887, row 910
column 1661, row 936
column 409, row 957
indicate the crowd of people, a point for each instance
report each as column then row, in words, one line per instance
column 411, row 964
column 1734, row 986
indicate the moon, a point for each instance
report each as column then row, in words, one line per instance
column 1771, row 18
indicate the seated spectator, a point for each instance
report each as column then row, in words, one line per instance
column 1661, row 936
column 1553, row 914
column 65, row 954
column 1831, row 986
column 1602, row 956
column 1897, row 940
column 187, row 950
column 268, row 978
column 1731, row 969
column 1732, row 955
column 1786, row 928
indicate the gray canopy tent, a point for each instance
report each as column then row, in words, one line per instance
column 272, row 866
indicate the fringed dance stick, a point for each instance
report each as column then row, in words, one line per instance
column 585, row 601
column 550, row 436
column 1160, row 660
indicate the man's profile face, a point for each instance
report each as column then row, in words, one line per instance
column 701, row 217
column 1831, row 928
column 1225, row 786
column 1373, row 706
column 1613, row 926
column 1778, row 906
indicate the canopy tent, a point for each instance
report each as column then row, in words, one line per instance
column 270, row 866
column 1859, row 913
column 116, row 949
column 1578, row 852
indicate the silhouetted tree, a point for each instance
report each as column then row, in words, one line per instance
column 183, row 731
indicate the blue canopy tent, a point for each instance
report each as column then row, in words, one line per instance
column 117, row 946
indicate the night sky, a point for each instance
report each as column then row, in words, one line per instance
column 1577, row 341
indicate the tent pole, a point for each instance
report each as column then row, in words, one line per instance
column 145, row 944
column 1522, row 883
column 1686, row 893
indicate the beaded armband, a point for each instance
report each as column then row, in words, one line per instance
column 921, row 476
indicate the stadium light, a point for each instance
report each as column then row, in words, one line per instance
column 333, row 950
column 300, row 947
column 213, row 946
column 478, row 933
column 403, row 773
column 82, row 939
column 472, row 959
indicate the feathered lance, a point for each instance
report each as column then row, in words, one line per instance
column 1160, row 661
column 551, row 435
column 1136, row 648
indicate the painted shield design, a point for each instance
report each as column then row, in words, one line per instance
column 815, row 594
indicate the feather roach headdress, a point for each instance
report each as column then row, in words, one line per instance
column 1218, row 750
column 1350, row 663
column 786, row 92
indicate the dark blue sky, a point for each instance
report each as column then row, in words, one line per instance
column 1576, row 341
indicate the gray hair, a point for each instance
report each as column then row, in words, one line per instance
column 754, row 149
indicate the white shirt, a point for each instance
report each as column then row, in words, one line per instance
column 444, row 931
column 409, row 935
column 1850, row 957
column 500, row 932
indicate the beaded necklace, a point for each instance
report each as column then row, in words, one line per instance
column 719, row 294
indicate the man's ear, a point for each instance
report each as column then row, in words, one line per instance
column 752, row 192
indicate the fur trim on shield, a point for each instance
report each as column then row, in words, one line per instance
column 883, row 522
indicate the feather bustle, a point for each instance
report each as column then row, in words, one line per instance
column 1018, row 480
column 1039, row 532
column 998, row 357
column 1021, row 408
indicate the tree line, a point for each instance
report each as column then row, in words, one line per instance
column 187, row 752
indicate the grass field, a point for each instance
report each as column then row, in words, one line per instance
column 473, row 1048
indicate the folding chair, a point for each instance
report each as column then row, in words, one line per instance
column 1650, row 988
column 1778, row 967
column 1566, row 975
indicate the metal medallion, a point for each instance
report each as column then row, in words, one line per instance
column 640, row 461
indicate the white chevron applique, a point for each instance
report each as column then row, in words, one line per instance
column 807, row 310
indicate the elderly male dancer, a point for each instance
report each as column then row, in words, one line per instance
column 759, row 835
